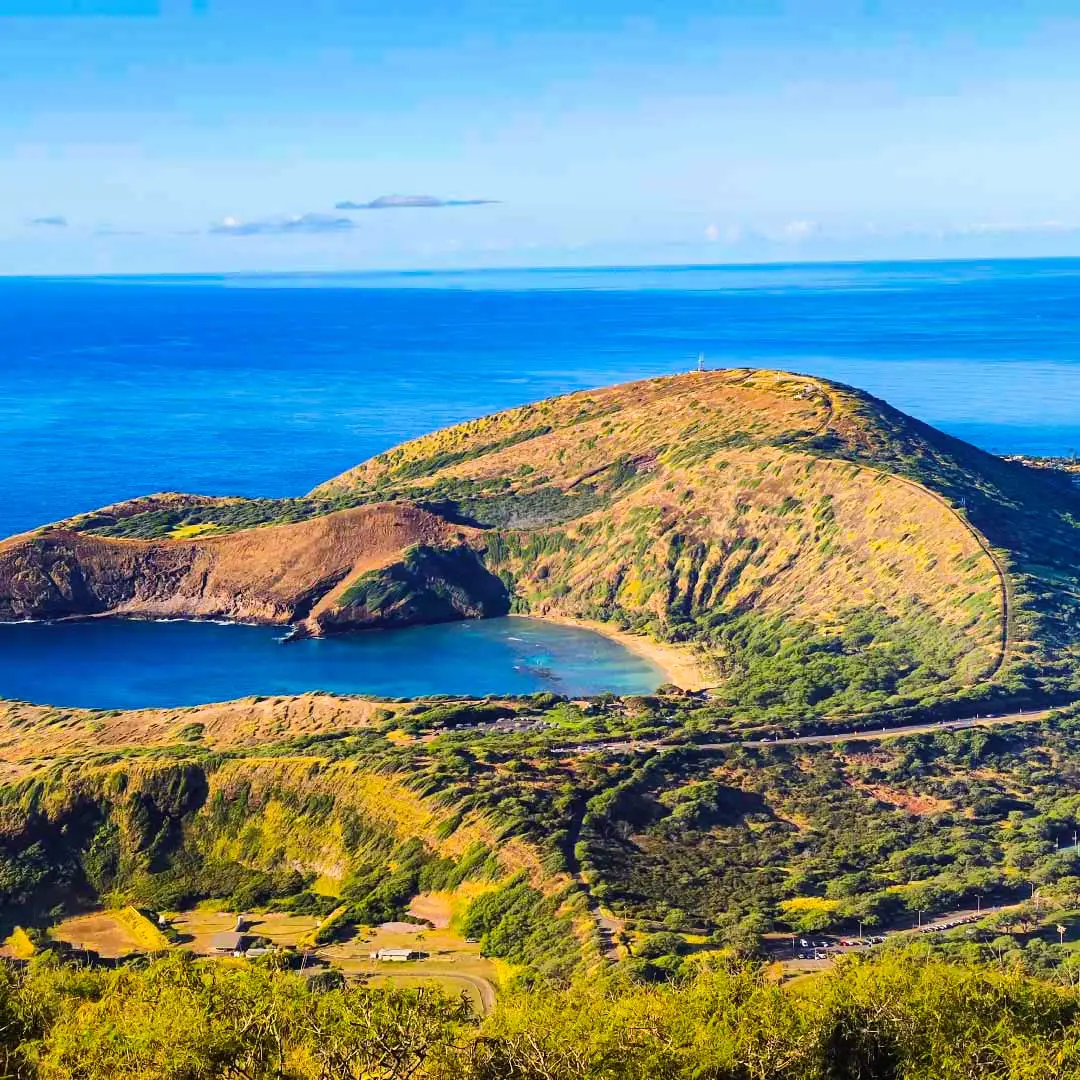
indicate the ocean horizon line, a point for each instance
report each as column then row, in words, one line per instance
column 540, row 270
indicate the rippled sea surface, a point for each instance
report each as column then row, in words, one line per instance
column 269, row 385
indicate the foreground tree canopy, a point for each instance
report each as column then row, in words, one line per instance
column 900, row 1018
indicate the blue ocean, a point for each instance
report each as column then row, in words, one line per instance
column 267, row 385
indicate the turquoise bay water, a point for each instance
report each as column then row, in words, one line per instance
column 123, row 663
column 266, row 386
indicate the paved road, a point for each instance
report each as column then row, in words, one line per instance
column 419, row 970
column 896, row 732
column 639, row 746
column 483, row 988
column 942, row 921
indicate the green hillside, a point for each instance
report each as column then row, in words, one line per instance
column 819, row 552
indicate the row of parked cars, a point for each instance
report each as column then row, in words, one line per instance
column 821, row 950
column 951, row 925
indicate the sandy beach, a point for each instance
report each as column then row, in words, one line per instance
column 678, row 662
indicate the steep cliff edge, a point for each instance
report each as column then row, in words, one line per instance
column 278, row 574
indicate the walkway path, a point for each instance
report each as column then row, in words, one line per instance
column 608, row 926
column 632, row 746
column 1004, row 582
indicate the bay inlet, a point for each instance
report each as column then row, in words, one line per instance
column 127, row 663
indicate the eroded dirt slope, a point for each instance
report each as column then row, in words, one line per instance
column 274, row 575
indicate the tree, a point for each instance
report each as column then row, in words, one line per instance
column 664, row 943
column 360, row 1035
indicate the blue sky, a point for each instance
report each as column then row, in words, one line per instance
column 192, row 135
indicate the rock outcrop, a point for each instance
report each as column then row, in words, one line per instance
column 278, row 574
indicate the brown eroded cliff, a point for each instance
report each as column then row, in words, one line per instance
column 278, row 574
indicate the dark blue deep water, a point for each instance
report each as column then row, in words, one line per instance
column 268, row 385
column 122, row 663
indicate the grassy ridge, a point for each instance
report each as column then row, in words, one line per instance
column 350, row 839
column 782, row 524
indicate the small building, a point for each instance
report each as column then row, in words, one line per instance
column 231, row 942
column 395, row 955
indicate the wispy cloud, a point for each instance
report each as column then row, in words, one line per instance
column 300, row 225
column 728, row 234
column 1017, row 228
column 800, row 230
column 50, row 221
column 410, row 202
column 792, row 233
column 801, row 238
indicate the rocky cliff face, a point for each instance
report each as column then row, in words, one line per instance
column 279, row 574
column 61, row 574
column 428, row 585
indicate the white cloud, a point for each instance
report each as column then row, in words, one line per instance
column 299, row 224
column 729, row 234
column 409, row 202
column 1014, row 228
column 800, row 230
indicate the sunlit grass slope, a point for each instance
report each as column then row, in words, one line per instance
column 820, row 550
